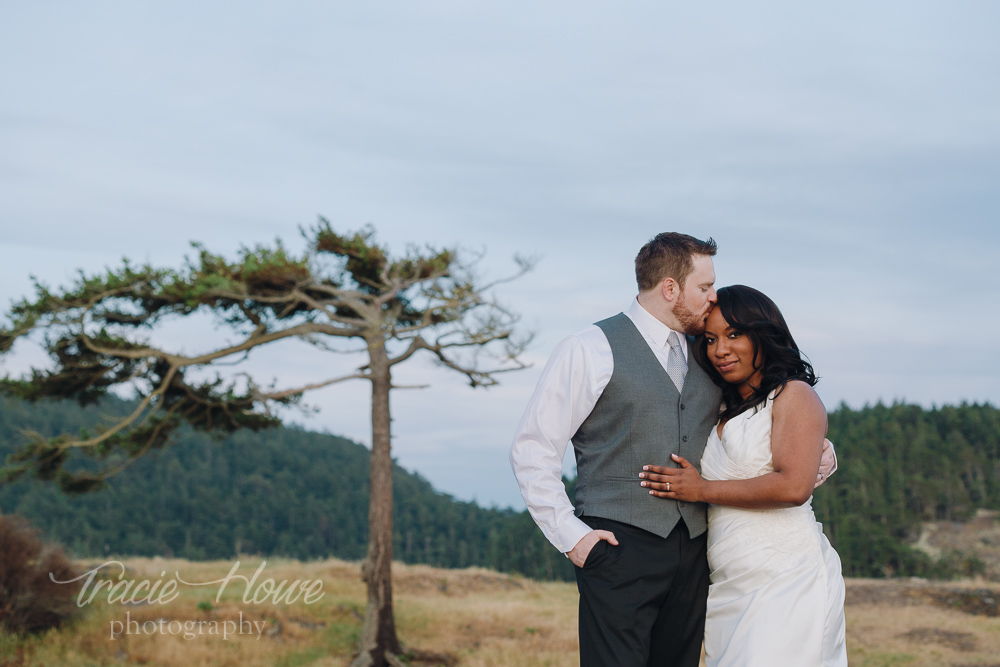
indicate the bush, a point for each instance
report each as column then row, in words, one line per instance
column 30, row 601
column 956, row 564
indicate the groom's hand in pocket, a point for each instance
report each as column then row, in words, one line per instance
column 582, row 549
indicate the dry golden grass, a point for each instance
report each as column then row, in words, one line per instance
column 483, row 618
column 479, row 616
column 922, row 624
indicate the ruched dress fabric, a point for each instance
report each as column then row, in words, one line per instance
column 777, row 593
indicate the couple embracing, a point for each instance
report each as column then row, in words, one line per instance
column 698, row 441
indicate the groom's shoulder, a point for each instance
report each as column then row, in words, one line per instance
column 592, row 333
column 614, row 322
column 599, row 330
column 589, row 338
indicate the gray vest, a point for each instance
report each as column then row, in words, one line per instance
column 640, row 418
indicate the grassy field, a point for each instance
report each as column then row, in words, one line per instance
column 479, row 617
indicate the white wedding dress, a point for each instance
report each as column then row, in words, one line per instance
column 777, row 593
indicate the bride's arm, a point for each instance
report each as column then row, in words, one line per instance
column 797, row 432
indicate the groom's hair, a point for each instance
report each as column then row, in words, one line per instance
column 668, row 255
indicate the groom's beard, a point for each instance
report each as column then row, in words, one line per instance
column 693, row 323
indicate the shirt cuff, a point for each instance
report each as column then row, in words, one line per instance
column 571, row 532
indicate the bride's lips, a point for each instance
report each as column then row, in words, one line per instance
column 726, row 367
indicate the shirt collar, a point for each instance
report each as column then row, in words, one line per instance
column 652, row 328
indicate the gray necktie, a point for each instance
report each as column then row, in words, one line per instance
column 677, row 367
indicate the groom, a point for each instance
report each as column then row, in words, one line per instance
column 627, row 391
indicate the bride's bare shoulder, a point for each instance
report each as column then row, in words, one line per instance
column 798, row 395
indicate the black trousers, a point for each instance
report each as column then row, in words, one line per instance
column 642, row 603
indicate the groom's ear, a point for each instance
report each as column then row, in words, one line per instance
column 669, row 289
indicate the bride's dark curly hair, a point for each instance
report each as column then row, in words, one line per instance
column 753, row 314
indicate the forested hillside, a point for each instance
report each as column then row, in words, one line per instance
column 302, row 494
column 283, row 491
column 901, row 465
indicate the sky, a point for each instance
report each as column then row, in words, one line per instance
column 845, row 156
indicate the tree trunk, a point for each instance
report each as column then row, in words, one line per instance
column 378, row 645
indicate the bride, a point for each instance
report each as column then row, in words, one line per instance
column 777, row 593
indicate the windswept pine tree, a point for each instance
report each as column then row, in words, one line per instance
column 99, row 333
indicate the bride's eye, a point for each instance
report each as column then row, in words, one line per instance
column 735, row 334
column 709, row 340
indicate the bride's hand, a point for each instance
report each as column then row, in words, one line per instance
column 682, row 483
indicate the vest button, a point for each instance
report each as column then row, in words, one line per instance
column 685, row 438
column 681, row 504
column 682, row 406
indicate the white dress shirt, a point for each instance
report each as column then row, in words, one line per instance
column 573, row 379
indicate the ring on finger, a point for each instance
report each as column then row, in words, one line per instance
column 668, row 487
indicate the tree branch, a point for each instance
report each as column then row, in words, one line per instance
column 135, row 456
column 292, row 392
column 253, row 341
column 416, row 343
column 127, row 421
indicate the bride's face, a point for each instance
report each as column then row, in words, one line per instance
column 732, row 353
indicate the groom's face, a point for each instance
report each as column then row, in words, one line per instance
column 697, row 297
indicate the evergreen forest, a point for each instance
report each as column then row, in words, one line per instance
column 296, row 493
